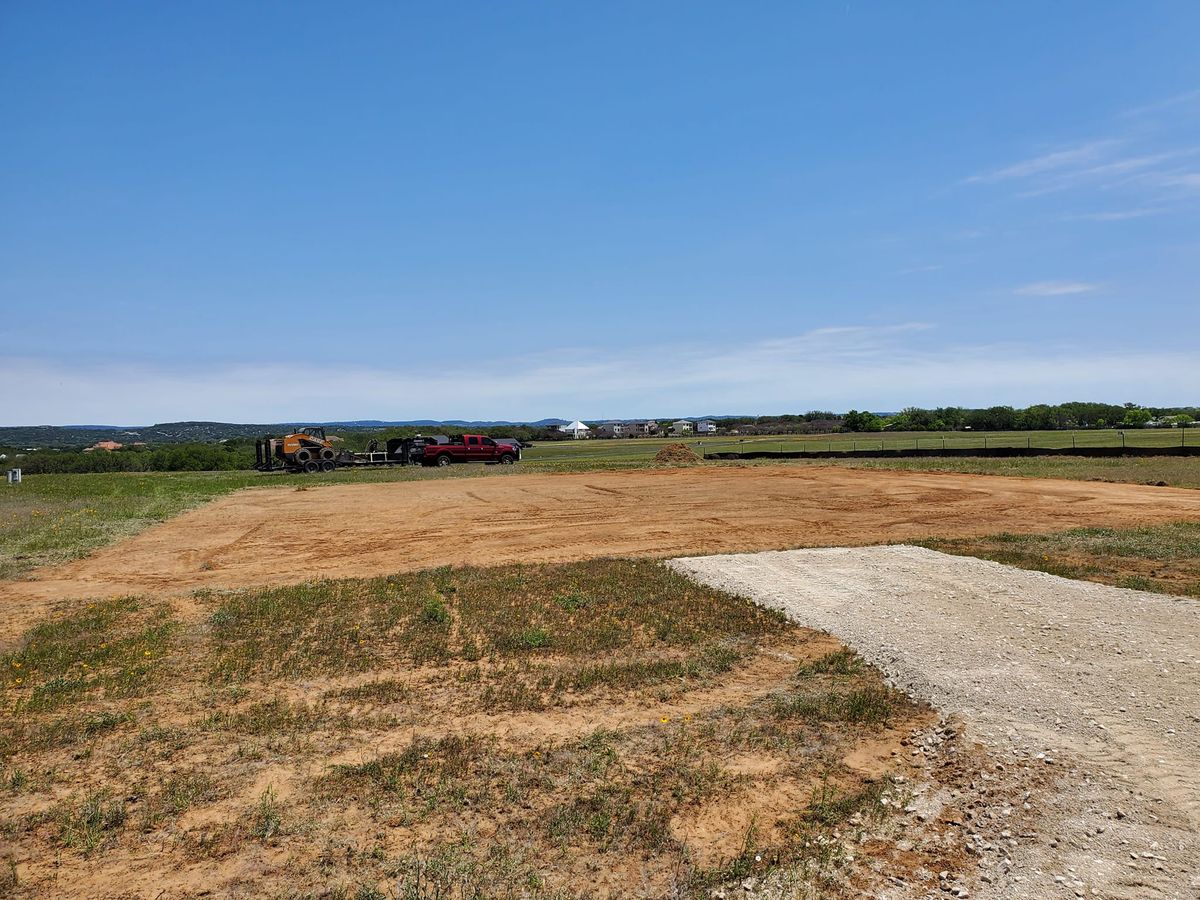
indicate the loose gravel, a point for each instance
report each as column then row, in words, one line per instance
column 1098, row 687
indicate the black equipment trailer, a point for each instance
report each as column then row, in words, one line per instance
column 396, row 452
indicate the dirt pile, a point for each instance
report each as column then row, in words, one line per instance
column 676, row 453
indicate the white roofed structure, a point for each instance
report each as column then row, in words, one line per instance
column 577, row 430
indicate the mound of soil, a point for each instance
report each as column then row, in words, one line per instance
column 676, row 453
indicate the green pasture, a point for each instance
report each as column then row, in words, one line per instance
column 643, row 449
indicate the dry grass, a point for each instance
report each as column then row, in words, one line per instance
column 1176, row 471
column 1162, row 558
column 525, row 731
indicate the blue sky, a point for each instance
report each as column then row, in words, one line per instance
column 291, row 211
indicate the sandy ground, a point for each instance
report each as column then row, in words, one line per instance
column 288, row 535
column 1098, row 684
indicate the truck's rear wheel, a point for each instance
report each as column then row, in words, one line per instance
column 507, row 459
column 445, row 459
column 328, row 465
column 312, row 467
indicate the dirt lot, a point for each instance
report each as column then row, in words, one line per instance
column 291, row 535
column 1095, row 684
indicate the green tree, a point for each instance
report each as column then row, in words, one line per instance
column 1136, row 418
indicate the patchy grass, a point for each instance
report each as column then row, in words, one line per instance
column 596, row 606
column 1176, row 471
column 328, row 627
column 178, row 795
column 384, row 690
column 513, row 611
column 274, row 716
column 110, row 646
column 1162, row 558
column 91, row 825
column 542, row 687
column 103, row 653
column 522, row 731
column 266, row 819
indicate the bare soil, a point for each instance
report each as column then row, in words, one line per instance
column 292, row 535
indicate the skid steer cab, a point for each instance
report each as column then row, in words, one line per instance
column 306, row 450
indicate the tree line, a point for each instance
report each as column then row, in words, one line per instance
column 238, row 453
column 170, row 458
column 1039, row 417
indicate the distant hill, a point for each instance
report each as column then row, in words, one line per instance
column 208, row 432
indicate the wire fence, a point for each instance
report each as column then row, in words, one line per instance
column 632, row 449
column 1042, row 440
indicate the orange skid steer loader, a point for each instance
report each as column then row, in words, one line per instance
column 307, row 450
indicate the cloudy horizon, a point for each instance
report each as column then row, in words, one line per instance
column 497, row 213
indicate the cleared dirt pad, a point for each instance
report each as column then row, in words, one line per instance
column 1097, row 684
column 289, row 535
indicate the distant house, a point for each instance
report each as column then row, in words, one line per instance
column 577, row 430
column 613, row 430
column 706, row 427
column 107, row 445
column 642, row 429
column 683, row 426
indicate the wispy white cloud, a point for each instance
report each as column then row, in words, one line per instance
column 1055, row 288
column 1185, row 179
column 1115, row 215
column 1056, row 161
column 1143, row 164
column 1186, row 98
column 875, row 367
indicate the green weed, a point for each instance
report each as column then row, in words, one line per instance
column 89, row 826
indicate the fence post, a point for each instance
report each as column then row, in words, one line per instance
column 985, row 442
column 1028, row 441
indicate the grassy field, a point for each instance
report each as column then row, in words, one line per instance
column 1162, row 558
column 514, row 732
column 1175, row 471
column 639, row 449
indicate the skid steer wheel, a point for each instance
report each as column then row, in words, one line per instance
column 444, row 459
column 328, row 465
column 303, row 456
column 327, row 453
column 507, row 459
column 312, row 467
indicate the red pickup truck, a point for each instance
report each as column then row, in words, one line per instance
column 471, row 448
